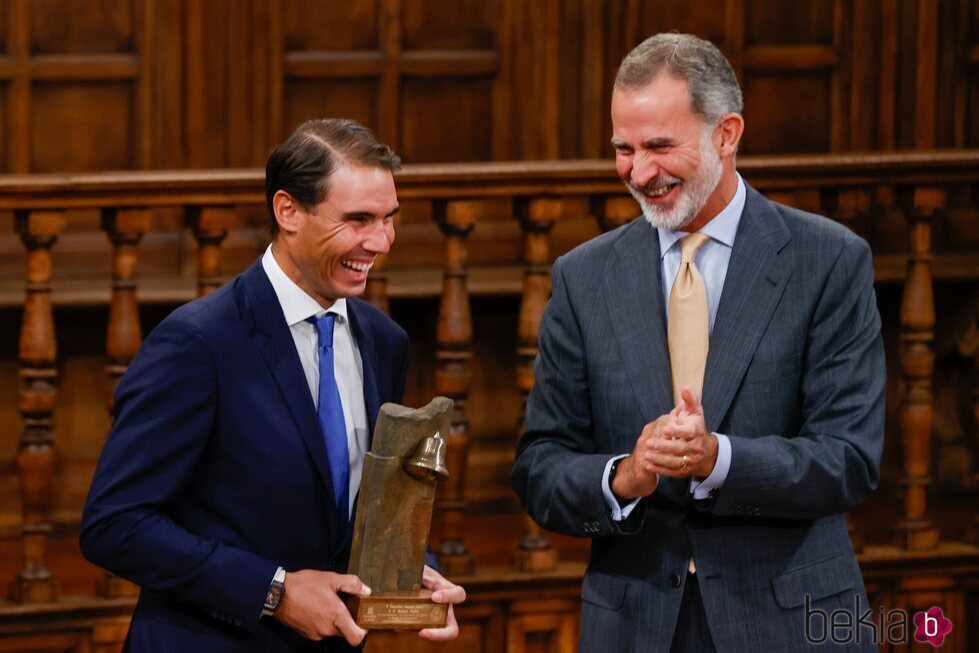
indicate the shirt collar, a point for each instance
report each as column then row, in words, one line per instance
column 722, row 227
column 296, row 304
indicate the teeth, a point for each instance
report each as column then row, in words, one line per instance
column 662, row 190
column 359, row 267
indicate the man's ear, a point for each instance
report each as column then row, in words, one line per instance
column 731, row 127
column 287, row 211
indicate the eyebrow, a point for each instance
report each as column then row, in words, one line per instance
column 366, row 214
column 650, row 144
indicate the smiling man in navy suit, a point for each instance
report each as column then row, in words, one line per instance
column 226, row 486
column 716, row 516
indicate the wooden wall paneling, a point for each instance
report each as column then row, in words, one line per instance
column 389, row 29
column 89, row 96
column 144, row 19
column 504, row 145
column 915, row 530
column 205, row 83
column 39, row 375
column 864, row 64
column 447, row 66
column 887, row 124
column 166, row 52
column 537, row 58
column 596, row 86
column 965, row 27
column 19, row 88
column 792, row 76
column 926, row 74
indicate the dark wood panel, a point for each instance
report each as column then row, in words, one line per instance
column 705, row 18
column 784, row 22
column 82, row 126
column 786, row 113
column 338, row 98
column 426, row 136
column 458, row 25
column 58, row 27
column 315, row 25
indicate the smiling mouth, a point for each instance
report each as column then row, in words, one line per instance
column 659, row 191
column 356, row 266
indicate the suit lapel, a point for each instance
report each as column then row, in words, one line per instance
column 279, row 352
column 368, row 355
column 756, row 279
column 633, row 291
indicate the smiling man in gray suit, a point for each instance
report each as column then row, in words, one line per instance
column 716, row 516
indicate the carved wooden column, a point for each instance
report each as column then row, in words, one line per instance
column 537, row 217
column 847, row 206
column 210, row 225
column 38, row 354
column 124, row 336
column 613, row 212
column 453, row 377
column 917, row 364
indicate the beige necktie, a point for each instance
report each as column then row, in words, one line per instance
column 688, row 325
column 687, row 321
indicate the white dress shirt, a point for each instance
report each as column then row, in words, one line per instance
column 712, row 262
column 347, row 364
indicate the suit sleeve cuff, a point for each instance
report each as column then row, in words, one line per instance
column 701, row 489
column 616, row 512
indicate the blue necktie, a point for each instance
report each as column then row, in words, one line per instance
column 331, row 417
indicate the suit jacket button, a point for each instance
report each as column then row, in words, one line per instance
column 674, row 580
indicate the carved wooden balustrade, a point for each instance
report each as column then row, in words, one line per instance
column 466, row 233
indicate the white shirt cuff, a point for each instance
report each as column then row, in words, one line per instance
column 702, row 489
column 618, row 513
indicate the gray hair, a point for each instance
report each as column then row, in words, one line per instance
column 714, row 89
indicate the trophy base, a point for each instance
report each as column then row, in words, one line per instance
column 396, row 610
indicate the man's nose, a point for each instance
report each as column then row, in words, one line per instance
column 380, row 234
column 644, row 169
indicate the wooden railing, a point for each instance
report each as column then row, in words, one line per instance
column 464, row 230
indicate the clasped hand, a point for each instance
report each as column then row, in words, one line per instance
column 676, row 444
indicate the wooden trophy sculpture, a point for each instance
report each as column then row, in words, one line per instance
column 394, row 514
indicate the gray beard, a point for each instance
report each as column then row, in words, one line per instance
column 693, row 193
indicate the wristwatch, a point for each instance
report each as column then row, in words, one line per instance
column 277, row 589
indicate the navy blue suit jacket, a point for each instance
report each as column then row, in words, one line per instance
column 795, row 377
column 216, row 472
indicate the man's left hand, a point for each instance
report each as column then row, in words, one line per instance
column 443, row 591
column 686, row 448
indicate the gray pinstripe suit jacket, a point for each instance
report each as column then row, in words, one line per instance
column 795, row 377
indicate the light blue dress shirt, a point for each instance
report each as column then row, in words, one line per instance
column 711, row 261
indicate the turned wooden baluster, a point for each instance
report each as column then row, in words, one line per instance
column 537, row 217
column 915, row 530
column 210, row 225
column 613, row 212
column 38, row 353
column 847, row 206
column 453, row 377
column 124, row 336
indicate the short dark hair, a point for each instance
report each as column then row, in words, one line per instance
column 713, row 86
column 302, row 164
